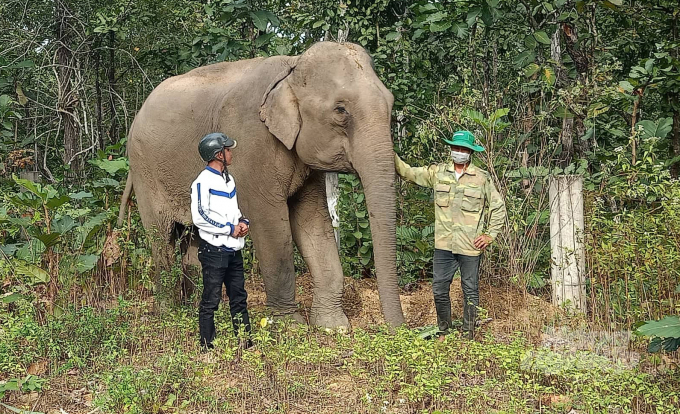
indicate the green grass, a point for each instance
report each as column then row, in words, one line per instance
column 129, row 359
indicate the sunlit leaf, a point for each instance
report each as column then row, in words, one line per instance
column 531, row 69
column 498, row 114
column 524, row 58
column 63, row 225
column 392, row 36
column 34, row 273
column 472, row 15
column 259, row 19
column 49, row 239
column 23, row 64
column 32, row 187
column 12, row 297
column 461, row 30
column 659, row 129
column 272, row 18
column 548, row 75
column 439, row 26
column 542, row 37
column 86, row 262
column 55, row 202
column 80, row 195
column 106, row 182
column 563, row 112
column 111, row 166
column 427, row 8
column 263, row 39
column 23, row 100
column 626, row 86
column 668, row 327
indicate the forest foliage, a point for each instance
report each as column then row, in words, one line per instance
column 549, row 87
column 586, row 87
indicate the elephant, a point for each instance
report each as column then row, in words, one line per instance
column 294, row 118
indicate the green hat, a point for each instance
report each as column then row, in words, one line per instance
column 464, row 139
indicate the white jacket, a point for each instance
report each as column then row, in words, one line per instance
column 214, row 209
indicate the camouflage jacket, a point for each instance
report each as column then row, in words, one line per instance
column 459, row 204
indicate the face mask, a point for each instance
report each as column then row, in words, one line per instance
column 460, row 157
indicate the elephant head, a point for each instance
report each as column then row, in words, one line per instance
column 331, row 109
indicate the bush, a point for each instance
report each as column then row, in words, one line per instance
column 633, row 244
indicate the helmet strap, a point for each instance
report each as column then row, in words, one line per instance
column 225, row 173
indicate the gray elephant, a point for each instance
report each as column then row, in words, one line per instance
column 294, row 117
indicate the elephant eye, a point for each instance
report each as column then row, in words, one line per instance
column 340, row 109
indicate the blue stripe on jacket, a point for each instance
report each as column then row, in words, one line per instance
column 205, row 216
column 223, row 193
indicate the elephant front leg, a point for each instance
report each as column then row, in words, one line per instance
column 273, row 242
column 313, row 234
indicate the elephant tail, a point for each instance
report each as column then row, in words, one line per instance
column 124, row 199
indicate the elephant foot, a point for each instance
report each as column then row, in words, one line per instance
column 294, row 317
column 334, row 321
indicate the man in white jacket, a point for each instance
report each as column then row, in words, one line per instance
column 222, row 228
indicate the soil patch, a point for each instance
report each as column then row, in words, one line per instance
column 506, row 310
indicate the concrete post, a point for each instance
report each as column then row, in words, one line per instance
column 566, row 242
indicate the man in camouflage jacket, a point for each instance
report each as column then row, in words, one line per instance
column 463, row 194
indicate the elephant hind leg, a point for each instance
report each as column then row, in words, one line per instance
column 165, row 245
column 186, row 238
column 313, row 234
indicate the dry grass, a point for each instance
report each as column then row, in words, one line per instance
column 149, row 361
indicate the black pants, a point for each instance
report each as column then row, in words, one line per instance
column 221, row 267
column 445, row 266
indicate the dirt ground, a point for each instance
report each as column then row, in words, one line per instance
column 507, row 310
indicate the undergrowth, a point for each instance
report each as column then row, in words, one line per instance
column 131, row 359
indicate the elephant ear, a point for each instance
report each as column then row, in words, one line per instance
column 279, row 109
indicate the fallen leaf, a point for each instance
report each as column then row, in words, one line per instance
column 37, row 368
column 111, row 252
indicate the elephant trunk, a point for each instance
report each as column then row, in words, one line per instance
column 375, row 166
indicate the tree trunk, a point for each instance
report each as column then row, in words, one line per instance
column 528, row 127
column 111, row 74
column 98, row 92
column 487, row 81
column 67, row 101
column 675, row 134
column 636, row 107
column 567, row 139
column 675, row 140
column 556, row 56
column 566, row 135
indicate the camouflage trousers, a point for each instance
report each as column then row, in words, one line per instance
column 446, row 264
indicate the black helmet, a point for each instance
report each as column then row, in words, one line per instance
column 213, row 143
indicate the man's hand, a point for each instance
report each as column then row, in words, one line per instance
column 240, row 230
column 482, row 241
column 244, row 228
